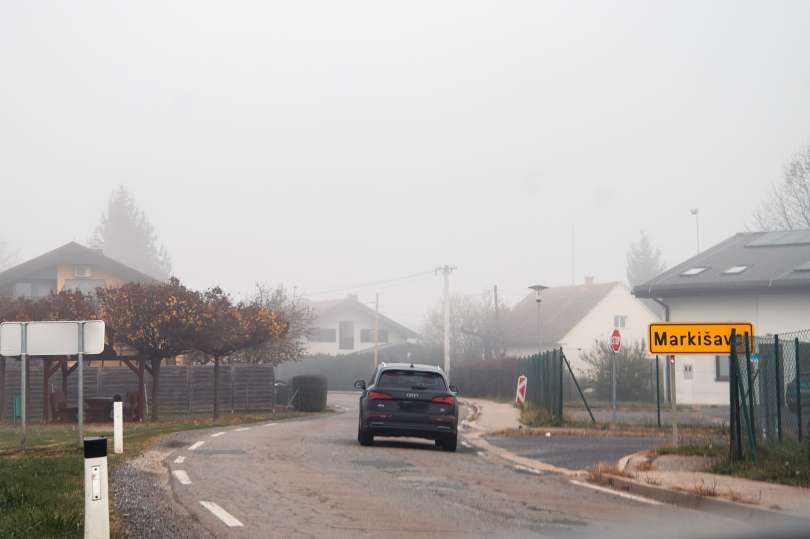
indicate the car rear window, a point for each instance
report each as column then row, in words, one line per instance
column 406, row 379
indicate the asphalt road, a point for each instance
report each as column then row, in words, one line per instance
column 575, row 452
column 311, row 478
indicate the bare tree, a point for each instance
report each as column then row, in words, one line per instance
column 297, row 314
column 787, row 206
column 643, row 261
column 473, row 332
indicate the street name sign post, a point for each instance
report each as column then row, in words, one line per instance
column 51, row 338
column 693, row 338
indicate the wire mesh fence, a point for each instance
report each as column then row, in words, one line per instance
column 769, row 391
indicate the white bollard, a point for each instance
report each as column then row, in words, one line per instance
column 96, row 499
column 118, row 426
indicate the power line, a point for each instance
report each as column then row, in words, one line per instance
column 371, row 283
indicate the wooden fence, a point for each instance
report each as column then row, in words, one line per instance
column 183, row 388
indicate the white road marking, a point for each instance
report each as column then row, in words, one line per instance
column 181, row 476
column 527, row 469
column 222, row 514
column 624, row 495
column 195, row 445
column 270, row 424
column 481, row 453
column 466, row 444
column 217, row 434
column 179, row 460
column 243, row 429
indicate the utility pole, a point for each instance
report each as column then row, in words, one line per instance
column 446, row 270
column 376, row 329
column 496, row 351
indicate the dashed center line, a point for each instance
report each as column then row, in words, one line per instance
column 222, row 514
column 217, row 434
column 181, row 476
column 242, row 429
column 481, row 453
column 270, row 424
column 466, row 444
column 179, row 460
column 195, row 445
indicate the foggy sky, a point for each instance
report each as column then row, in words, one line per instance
column 326, row 144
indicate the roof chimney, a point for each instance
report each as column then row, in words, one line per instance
column 589, row 280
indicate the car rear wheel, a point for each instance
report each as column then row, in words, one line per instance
column 364, row 436
column 448, row 444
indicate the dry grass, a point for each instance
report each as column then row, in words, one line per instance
column 702, row 489
column 651, row 480
column 741, row 498
column 602, row 471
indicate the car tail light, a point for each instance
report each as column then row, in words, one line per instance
column 378, row 396
column 443, row 418
column 379, row 415
column 449, row 400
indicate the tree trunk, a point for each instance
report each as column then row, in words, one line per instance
column 156, row 388
column 2, row 388
column 216, row 387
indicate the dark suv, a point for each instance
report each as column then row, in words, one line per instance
column 404, row 399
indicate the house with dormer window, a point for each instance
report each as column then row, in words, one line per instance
column 758, row 277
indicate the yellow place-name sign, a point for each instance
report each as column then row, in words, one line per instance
column 697, row 337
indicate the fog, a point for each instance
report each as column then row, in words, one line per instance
column 329, row 144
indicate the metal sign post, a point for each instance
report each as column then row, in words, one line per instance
column 79, row 357
column 23, row 380
column 615, row 345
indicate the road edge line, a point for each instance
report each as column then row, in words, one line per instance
column 227, row 518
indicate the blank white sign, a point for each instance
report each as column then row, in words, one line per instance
column 51, row 338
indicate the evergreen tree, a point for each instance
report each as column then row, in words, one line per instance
column 643, row 261
column 126, row 235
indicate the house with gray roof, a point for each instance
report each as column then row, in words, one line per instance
column 574, row 317
column 758, row 277
column 345, row 326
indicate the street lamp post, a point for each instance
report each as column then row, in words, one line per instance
column 538, row 291
column 694, row 211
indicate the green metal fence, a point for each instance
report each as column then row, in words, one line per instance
column 769, row 391
column 547, row 376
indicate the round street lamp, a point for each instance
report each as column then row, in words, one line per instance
column 538, row 291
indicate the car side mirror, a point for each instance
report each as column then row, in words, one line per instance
column 453, row 388
column 360, row 384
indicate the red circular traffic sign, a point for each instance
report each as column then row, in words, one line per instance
column 616, row 341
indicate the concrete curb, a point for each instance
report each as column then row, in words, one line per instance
column 710, row 505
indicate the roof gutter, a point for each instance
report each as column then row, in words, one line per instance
column 665, row 306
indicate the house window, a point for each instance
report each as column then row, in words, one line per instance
column 735, row 270
column 697, row 270
column 322, row 335
column 721, row 368
column 23, row 290
column 83, row 271
column 86, row 286
column 346, row 335
column 367, row 335
column 620, row 321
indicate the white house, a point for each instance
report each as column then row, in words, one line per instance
column 761, row 277
column 574, row 317
column 345, row 326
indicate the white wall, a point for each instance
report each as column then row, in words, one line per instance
column 598, row 324
column 361, row 319
column 770, row 314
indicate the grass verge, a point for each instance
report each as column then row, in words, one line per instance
column 787, row 463
column 41, row 490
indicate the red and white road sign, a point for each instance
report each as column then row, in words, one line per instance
column 520, row 398
column 616, row 341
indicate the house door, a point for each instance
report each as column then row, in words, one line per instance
column 346, row 335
